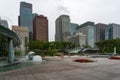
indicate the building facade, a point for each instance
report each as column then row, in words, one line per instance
column 73, row 27
column 23, row 33
column 79, row 39
column 112, row 31
column 62, row 24
column 40, row 28
column 4, row 23
column 26, row 17
column 100, row 32
column 88, row 29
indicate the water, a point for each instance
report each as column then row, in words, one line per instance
column 21, row 63
column 14, row 66
column 29, row 60
column 22, row 47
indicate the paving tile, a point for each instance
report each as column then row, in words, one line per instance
column 1, row 78
column 21, row 77
column 30, row 77
column 39, row 76
column 13, row 78
column 117, row 78
column 7, row 78
column 103, row 69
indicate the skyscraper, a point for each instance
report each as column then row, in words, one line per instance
column 26, row 17
column 62, row 27
column 112, row 31
column 40, row 28
column 73, row 27
column 4, row 23
column 88, row 29
column 100, row 32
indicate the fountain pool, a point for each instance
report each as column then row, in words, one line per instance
column 20, row 63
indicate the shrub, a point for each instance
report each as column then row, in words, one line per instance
column 17, row 53
column 50, row 52
column 5, row 53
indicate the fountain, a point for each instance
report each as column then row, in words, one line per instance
column 29, row 60
column 31, row 56
column 37, row 58
column 114, row 53
column 22, row 47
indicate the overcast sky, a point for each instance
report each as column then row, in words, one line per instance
column 80, row 11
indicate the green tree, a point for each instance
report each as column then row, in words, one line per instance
column 3, row 45
column 107, row 46
column 49, row 47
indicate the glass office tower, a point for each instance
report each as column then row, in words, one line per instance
column 112, row 31
column 62, row 25
column 88, row 29
column 73, row 27
column 26, row 17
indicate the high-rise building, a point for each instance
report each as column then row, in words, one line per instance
column 100, row 32
column 34, row 14
column 4, row 23
column 62, row 24
column 88, row 29
column 26, row 17
column 112, row 31
column 73, row 27
column 40, row 28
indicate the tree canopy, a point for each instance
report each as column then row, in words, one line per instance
column 41, row 45
column 107, row 46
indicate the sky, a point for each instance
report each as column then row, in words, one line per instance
column 80, row 11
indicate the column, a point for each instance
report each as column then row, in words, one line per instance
column 10, row 51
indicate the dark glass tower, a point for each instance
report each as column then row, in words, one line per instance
column 26, row 17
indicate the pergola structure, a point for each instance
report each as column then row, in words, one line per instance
column 12, row 40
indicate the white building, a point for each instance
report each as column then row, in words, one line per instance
column 79, row 39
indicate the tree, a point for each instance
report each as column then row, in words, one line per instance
column 107, row 46
column 41, row 45
column 3, row 45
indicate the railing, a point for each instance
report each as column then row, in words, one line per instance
column 10, row 34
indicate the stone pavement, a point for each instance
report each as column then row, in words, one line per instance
column 66, row 69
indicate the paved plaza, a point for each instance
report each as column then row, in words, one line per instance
column 67, row 69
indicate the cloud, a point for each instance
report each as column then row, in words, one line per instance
column 63, row 9
column 80, row 11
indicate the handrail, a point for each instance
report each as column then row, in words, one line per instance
column 10, row 34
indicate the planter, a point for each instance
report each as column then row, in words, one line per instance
column 83, row 60
column 115, row 57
